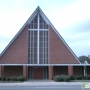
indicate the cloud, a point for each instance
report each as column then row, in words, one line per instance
column 71, row 14
column 70, row 17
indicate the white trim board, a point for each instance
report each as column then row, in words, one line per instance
column 44, row 64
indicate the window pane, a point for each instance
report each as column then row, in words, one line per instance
column 41, row 61
column 35, row 20
column 35, row 60
column 41, row 38
column 41, row 26
column 41, row 50
column 35, row 49
column 35, row 33
column 35, row 25
column 35, row 44
column 35, row 55
column 41, row 20
column 31, row 26
column 41, row 44
column 32, row 33
column 41, row 33
column 40, row 55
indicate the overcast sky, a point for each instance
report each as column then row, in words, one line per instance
column 71, row 18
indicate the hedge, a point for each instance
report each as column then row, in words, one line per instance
column 59, row 78
column 67, row 78
column 14, row 78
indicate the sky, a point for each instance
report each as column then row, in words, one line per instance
column 71, row 18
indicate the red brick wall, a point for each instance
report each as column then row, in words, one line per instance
column 88, row 70
column 17, row 53
column 10, row 71
column 70, row 70
column 59, row 53
column 25, row 72
column 1, row 71
column 78, row 70
column 59, row 70
column 50, row 72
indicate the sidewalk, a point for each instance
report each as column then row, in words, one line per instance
column 32, row 83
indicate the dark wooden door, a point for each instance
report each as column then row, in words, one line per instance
column 38, row 73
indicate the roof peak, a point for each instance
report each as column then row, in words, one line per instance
column 38, row 7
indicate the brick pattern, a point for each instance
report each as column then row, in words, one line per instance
column 10, row 71
column 1, row 71
column 25, row 72
column 78, row 70
column 70, row 70
column 17, row 53
column 59, row 53
column 50, row 72
column 88, row 70
column 59, row 70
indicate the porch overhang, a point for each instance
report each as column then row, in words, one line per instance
column 44, row 64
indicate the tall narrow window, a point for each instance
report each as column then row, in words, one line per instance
column 38, row 41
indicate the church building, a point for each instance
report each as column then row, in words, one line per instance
column 38, row 51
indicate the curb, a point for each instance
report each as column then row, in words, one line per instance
column 40, row 83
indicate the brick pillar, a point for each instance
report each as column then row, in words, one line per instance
column 50, row 69
column 25, row 72
column 1, row 71
column 70, row 70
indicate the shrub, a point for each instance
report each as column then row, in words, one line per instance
column 21, row 78
column 72, row 77
column 8, row 79
column 79, row 78
column 3, row 78
column 85, row 77
column 0, row 79
column 14, row 78
column 57, row 78
column 65, row 77
column 88, row 77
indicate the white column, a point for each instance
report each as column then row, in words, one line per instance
column 38, row 42
column 85, row 71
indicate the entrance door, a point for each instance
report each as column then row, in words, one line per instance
column 38, row 72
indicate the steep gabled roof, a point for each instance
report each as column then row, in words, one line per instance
column 38, row 10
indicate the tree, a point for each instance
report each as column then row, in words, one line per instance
column 83, row 58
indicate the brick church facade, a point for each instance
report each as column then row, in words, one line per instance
column 38, row 51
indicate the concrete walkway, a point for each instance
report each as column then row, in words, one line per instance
column 40, row 82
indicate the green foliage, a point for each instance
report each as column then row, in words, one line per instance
column 72, row 77
column 66, row 78
column 14, row 78
column 0, row 79
column 21, row 78
column 88, row 77
column 8, row 79
column 83, row 58
column 82, row 77
column 85, row 78
column 59, row 78
column 79, row 77
column 3, row 78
